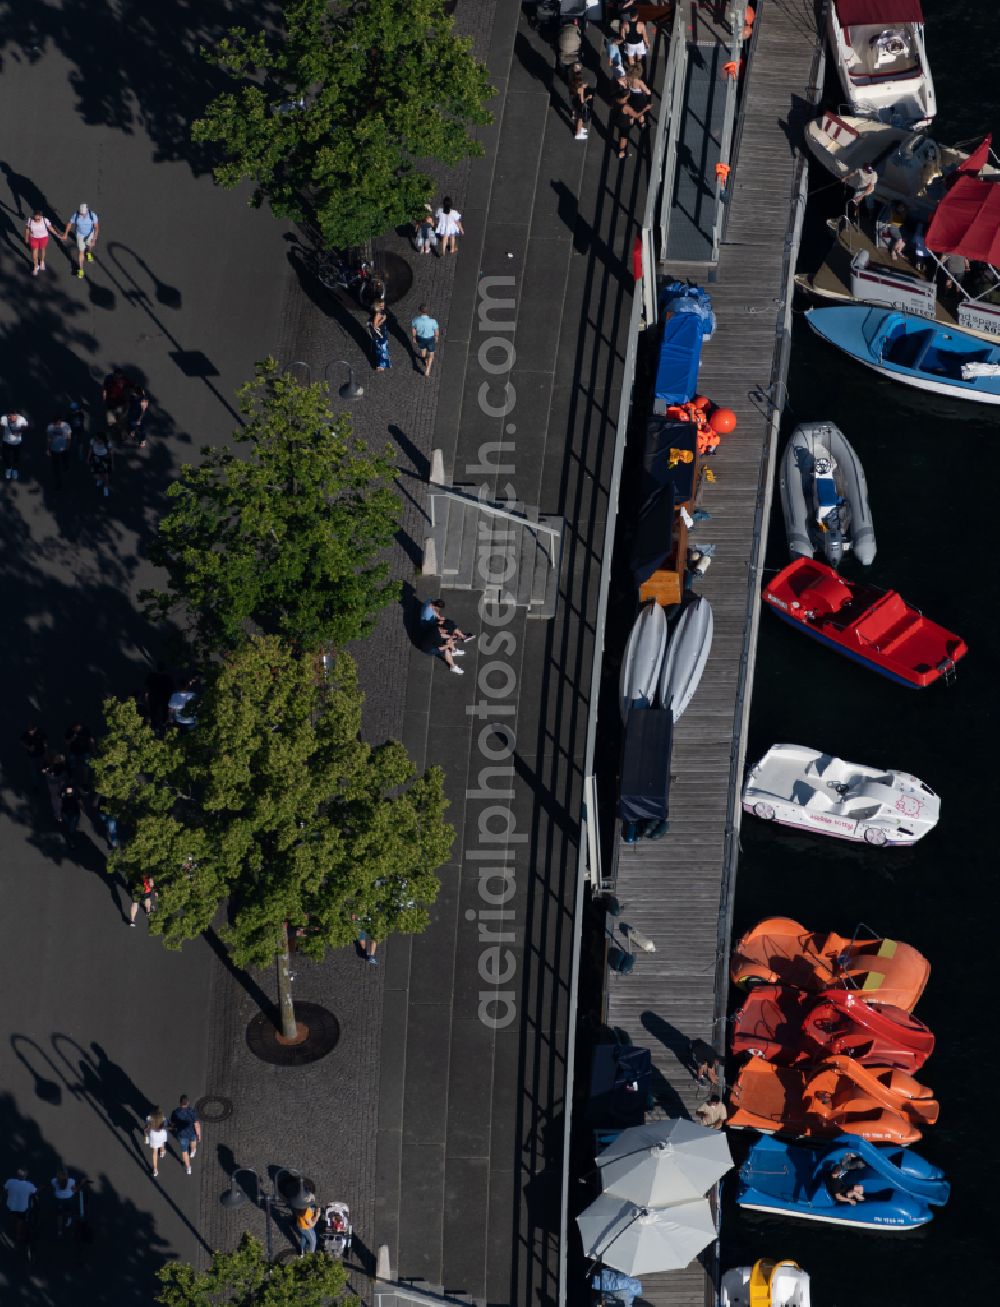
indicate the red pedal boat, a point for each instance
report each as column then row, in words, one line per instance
column 874, row 627
column 789, row 1027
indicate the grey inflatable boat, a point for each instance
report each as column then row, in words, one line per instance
column 824, row 496
column 643, row 659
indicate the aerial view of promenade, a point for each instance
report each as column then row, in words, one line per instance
column 489, row 810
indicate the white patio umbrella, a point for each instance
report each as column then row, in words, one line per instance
column 670, row 1161
column 643, row 1240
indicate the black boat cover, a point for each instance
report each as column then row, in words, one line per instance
column 645, row 789
column 663, row 487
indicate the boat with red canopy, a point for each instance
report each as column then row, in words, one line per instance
column 878, row 46
column 874, row 627
column 789, row 1027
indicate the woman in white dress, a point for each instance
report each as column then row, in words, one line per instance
column 449, row 226
column 156, row 1137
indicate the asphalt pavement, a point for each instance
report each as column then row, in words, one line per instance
column 187, row 291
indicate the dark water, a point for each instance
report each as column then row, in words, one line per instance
column 932, row 467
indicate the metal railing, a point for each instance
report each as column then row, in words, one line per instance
column 726, row 154
column 658, row 200
column 671, row 106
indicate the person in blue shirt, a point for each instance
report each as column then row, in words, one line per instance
column 86, row 227
column 187, row 1130
column 426, row 331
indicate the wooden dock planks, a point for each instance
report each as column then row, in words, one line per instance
column 676, row 890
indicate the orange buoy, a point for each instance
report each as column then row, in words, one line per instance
column 722, row 421
column 722, row 171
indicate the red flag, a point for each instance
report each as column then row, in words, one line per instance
column 978, row 156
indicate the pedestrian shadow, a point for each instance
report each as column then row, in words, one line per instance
column 327, row 301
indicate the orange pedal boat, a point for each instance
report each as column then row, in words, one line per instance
column 780, row 951
column 837, row 1097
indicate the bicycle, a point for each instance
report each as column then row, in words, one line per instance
column 337, row 271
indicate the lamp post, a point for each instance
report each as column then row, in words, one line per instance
column 302, row 1198
column 350, row 389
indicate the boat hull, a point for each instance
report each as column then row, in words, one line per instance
column 686, row 656
column 816, row 826
column 855, row 657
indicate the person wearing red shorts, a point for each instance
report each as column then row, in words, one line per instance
column 36, row 237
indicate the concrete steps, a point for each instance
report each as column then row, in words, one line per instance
column 473, row 547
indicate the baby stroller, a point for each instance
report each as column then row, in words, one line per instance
column 334, row 1230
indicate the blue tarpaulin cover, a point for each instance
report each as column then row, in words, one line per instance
column 682, row 297
column 680, row 354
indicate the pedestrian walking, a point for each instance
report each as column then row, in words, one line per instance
column 107, row 818
column 156, row 1137
column 367, row 945
column 37, row 231
column 115, row 396
column 80, row 746
column 71, row 809
column 56, row 775
column 635, row 36
column 35, row 744
column 187, row 1130
column 64, row 1191
column 99, row 459
column 624, row 119
column 378, row 329
column 306, row 1223
column 147, row 898
column 77, row 419
column 448, row 226
column 426, row 332
column 614, row 50
column 135, row 414
column 424, row 236
column 85, row 226
column 12, row 429
column 580, row 98
column 59, row 439
column 159, row 688
column 640, row 98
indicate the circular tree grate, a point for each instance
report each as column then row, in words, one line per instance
column 214, row 1108
column 320, row 1035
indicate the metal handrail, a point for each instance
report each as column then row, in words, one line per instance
column 671, row 103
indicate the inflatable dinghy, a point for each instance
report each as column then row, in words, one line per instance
column 824, row 496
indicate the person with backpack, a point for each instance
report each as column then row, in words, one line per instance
column 85, row 226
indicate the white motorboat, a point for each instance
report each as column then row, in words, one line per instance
column 801, row 787
column 765, row 1284
column 824, row 496
column 913, row 169
column 878, row 47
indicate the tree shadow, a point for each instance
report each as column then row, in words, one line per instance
column 243, row 978
column 137, row 69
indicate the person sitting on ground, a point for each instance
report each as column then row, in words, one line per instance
column 712, row 1114
column 435, row 640
column 433, row 611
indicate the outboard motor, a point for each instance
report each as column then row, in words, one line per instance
column 828, row 510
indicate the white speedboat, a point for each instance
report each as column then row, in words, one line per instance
column 913, row 169
column 878, row 47
column 765, row 1284
column 796, row 786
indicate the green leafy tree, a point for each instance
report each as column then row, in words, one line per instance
column 245, row 1278
column 287, row 539
column 273, row 803
column 331, row 118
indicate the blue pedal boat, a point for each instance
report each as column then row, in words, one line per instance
column 900, row 1187
column 915, row 351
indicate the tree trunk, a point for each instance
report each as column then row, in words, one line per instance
column 286, row 1007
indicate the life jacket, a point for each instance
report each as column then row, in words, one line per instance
column 708, row 440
